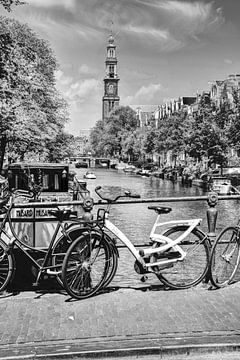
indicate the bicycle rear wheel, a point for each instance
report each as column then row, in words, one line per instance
column 86, row 265
column 61, row 247
column 192, row 269
column 7, row 266
column 225, row 257
column 112, row 262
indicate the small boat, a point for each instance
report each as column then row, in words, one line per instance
column 221, row 185
column 120, row 166
column 81, row 164
column 145, row 173
column 89, row 175
column 129, row 168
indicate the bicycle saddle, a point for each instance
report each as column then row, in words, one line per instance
column 62, row 215
column 160, row 209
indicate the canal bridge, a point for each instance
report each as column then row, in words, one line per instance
column 95, row 162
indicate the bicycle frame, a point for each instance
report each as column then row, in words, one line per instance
column 167, row 242
column 15, row 240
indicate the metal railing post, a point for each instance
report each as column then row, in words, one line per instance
column 212, row 213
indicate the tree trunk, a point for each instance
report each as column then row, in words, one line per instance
column 3, row 143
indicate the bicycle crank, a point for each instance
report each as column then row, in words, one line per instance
column 138, row 267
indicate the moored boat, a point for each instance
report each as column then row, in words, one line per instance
column 222, row 185
column 129, row 168
column 89, row 175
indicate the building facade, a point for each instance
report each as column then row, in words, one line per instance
column 110, row 100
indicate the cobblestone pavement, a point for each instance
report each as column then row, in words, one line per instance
column 120, row 320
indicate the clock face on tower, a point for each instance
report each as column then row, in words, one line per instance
column 110, row 88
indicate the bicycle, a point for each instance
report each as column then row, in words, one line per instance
column 179, row 257
column 225, row 256
column 49, row 261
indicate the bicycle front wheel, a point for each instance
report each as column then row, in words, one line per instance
column 225, row 257
column 86, row 265
column 7, row 266
column 192, row 269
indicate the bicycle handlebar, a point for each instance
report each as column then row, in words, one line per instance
column 21, row 192
column 127, row 194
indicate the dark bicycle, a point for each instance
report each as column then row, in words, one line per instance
column 68, row 226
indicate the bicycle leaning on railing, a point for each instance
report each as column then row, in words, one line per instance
column 48, row 261
column 179, row 256
column 225, row 256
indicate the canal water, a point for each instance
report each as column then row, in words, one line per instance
column 136, row 220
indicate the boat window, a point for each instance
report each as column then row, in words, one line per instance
column 56, row 182
column 45, row 181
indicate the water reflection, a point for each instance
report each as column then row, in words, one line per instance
column 136, row 220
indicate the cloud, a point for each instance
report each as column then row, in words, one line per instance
column 228, row 61
column 67, row 4
column 168, row 23
column 78, row 91
column 145, row 95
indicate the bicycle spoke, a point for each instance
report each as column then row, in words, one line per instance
column 85, row 266
column 192, row 268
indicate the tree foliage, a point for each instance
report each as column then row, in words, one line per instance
column 206, row 136
column 7, row 4
column 112, row 136
column 32, row 110
column 60, row 147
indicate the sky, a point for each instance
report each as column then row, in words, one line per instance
column 165, row 48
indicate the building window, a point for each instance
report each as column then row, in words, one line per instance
column 111, row 53
column 111, row 105
column 111, row 71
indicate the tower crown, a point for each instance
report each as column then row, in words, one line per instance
column 111, row 39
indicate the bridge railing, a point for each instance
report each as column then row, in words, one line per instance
column 212, row 200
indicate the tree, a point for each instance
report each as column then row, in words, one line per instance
column 96, row 139
column 32, row 110
column 150, row 142
column 62, row 146
column 206, row 137
column 132, row 145
column 7, row 4
column 108, row 137
column 233, row 130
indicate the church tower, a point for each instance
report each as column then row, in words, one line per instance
column 110, row 100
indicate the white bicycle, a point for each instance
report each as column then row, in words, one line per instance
column 179, row 256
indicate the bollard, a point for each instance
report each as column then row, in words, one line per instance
column 87, row 207
column 212, row 214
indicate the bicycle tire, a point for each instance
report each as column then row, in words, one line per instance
column 113, row 262
column 7, row 266
column 61, row 247
column 192, row 269
column 225, row 257
column 86, row 266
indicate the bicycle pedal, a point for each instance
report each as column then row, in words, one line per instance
column 144, row 278
column 35, row 284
